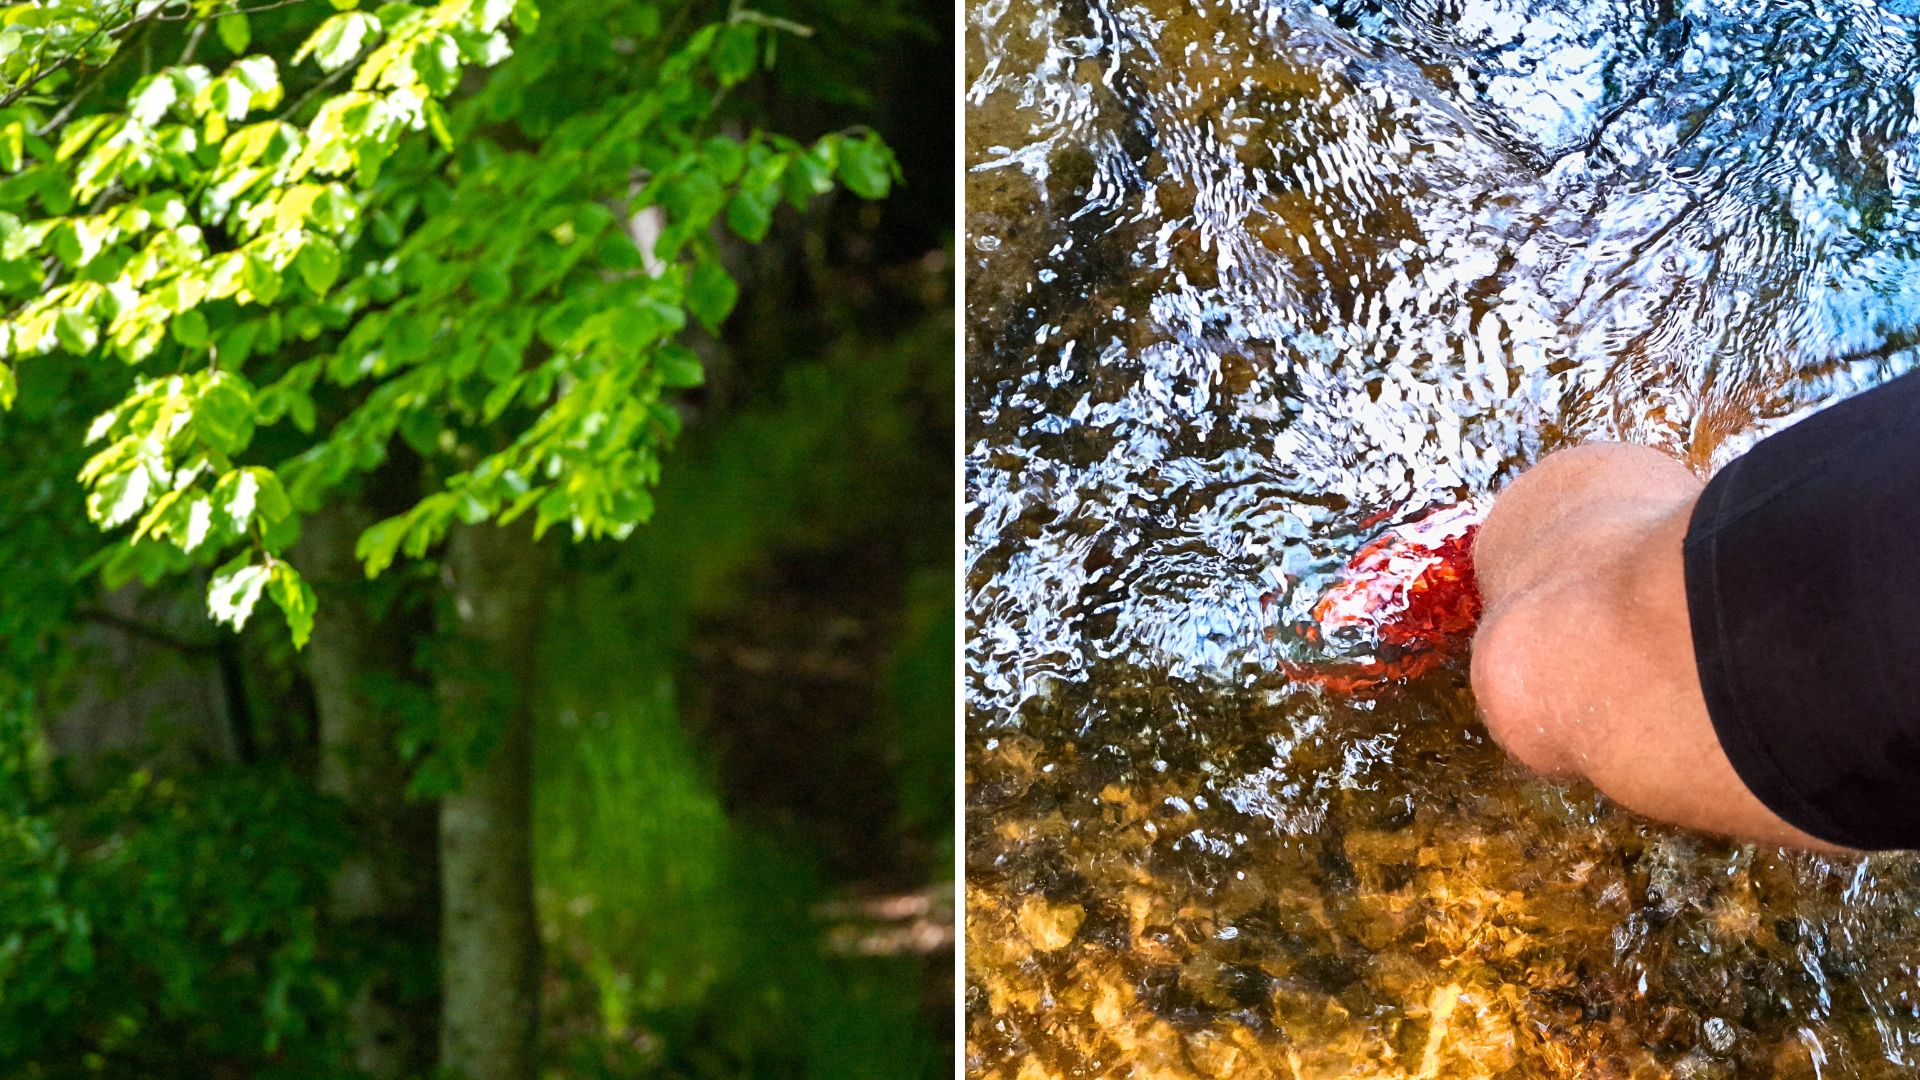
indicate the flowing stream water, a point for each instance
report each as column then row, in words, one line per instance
column 1246, row 282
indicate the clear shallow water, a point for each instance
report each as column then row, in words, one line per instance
column 1243, row 278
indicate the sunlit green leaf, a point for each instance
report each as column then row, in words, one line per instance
column 223, row 415
column 236, row 497
column 436, row 118
column 508, row 305
column 377, row 546
column 437, row 60
column 13, row 146
column 291, row 593
column 75, row 331
column 339, row 39
column 261, row 278
column 235, row 590
column 234, row 31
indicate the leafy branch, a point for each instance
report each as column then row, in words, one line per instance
column 473, row 289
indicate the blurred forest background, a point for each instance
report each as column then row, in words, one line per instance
column 226, row 856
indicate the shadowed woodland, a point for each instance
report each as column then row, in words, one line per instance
column 476, row 513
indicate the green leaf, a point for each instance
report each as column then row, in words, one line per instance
column 809, row 175
column 75, row 332
column 152, row 97
column 617, row 251
column 251, row 83
column 421, row 430
column 436, row 284
column 296, row 601
column 694, row 197
column 235, row 343
column 318, row 264
column 734, row 52
column 501, row 362
column 407, row 338
column 559, row 322
column 711, row 295
column 437, row 123
column 867, row 167
column 750, row 216
column 393, row 13
column 300, row 408
column 553, row 506
column 223, row 417
column 437, row 60
column 273, row 504
column 13, row 146
column 678, row 367
column 189, row 328
column 78, row 134
column 119, row 495
column 490, row 282
column 726, row 157
column 155, row 521
column 236, row 496
column 500, row 397
column 379, row 544
column 199, row 523
column 339, row 39
column 261, row 277
column 234, row 32
column 235, row 590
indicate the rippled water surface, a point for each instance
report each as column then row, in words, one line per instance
column 1248, row 280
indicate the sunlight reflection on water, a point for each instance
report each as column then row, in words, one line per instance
column 1244, row 276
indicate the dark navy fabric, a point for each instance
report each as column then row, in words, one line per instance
column 1803, row 590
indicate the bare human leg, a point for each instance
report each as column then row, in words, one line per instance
column 1583, row 663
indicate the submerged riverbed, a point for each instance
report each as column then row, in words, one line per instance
column 1247, row 282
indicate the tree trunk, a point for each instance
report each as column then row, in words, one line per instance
column 489, row 936
column 386, row 887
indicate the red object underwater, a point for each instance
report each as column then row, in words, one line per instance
column 1408, row 601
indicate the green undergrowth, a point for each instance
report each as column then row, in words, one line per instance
column 163, row 927
column 688, row 942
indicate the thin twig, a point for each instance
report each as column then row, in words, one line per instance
column 338, row 73
column 80, row 92
column 772, row 22
column 278, row 4
column 40, row 52
column 193, row 43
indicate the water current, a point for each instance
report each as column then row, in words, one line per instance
column 1248, row 280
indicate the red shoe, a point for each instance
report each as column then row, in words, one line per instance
column 1408, row 599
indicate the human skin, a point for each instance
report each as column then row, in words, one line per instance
column 1583, row 662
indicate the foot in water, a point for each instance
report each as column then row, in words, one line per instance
column 1407, row 600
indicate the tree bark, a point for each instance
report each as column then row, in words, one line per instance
column 386, row 887
column 489, row 934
